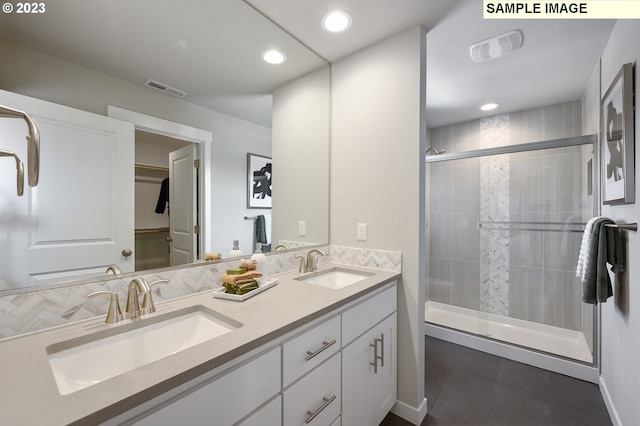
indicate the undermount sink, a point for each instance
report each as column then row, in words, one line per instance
column 335, row 278
column 85, row 361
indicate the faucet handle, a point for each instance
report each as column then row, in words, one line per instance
column 148, row 307
column 114, row 314
column 303, row 265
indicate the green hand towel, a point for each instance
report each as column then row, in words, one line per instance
column 606, row 247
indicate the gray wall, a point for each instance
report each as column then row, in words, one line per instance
column 377, row 165
column 620, row 320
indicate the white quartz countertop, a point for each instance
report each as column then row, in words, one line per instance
column 30, row 395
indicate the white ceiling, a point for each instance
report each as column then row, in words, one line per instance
column 210, row 49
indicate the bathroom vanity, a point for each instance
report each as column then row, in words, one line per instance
column 296, row 353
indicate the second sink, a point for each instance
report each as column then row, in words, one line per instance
column 334, row 278
column 83, row 362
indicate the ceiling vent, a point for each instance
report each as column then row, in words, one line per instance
column 496, row 47
column 165, row 89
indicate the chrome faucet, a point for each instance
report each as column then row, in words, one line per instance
column 113, row 270
column 311, row 260
column 137, row 287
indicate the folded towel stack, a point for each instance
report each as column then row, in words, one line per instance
column 241, row 278
column 600, row 245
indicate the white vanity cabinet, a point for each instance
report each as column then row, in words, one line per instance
column 369, row 377
column 340, row 370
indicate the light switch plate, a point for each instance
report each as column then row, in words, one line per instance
column 362, row 232
column 302, row 228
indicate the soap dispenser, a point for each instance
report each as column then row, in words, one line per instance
column 235, row 251
column 261, row 261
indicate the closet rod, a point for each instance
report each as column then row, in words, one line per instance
column 151, row 230
column 155, row 168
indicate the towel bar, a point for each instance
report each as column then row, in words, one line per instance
column 624, row 226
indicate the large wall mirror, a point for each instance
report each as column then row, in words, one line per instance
column 88, row 61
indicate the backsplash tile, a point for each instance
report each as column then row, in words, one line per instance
column 37, row 310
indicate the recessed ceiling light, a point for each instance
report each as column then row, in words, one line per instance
column 274, row 57
column 336, row 21
column 489, row 106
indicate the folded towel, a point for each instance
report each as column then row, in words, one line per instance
column 603, row 245
column 247, row 277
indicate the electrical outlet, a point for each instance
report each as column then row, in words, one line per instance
column 302, row 228
column 362, row 232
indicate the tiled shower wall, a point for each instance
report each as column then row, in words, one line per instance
column 526, row 275
column 37, row 310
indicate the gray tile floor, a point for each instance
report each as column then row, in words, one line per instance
column 467, row 387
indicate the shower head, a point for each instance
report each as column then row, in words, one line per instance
column 33, row 142
column 434, row 151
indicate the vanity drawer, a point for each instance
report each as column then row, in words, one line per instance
column 361, row 317
column 309, row 349
column 270, row 414
column 225, row 399
column 315, row 399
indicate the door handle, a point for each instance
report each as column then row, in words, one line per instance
column 127, row 252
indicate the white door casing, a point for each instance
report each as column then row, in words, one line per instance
column 79, row 218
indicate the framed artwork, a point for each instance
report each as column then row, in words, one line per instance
column 258, row 182
column 617, row 140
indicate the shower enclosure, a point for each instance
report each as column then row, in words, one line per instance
column 504, row 229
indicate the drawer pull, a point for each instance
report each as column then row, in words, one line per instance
column 325, row 404
column 325, row 345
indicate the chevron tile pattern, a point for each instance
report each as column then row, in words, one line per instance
column 494, row 207
column 378, row 259
column 37, row 310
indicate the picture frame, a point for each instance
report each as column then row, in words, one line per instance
column 617, row 141
column 258, row 181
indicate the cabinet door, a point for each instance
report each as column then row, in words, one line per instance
column 369, row 391
column 357, row 386
column 385, row 381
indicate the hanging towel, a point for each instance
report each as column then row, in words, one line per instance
column 261, row 230
column 581, row 269
column 163, row 197
column 601, row 245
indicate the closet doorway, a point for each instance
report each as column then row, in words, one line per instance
column 167, row 201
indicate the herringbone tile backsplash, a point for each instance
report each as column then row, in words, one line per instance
column 37, row 310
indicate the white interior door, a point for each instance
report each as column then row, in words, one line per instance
column 183, row 205
column 79, row 218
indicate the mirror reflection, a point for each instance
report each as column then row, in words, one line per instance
column 103, row 174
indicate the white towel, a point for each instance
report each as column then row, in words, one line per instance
column 584, row 258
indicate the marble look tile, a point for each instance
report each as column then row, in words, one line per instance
column 25, row 312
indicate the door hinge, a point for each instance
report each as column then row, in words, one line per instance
column 196, row 229
column 196, row 164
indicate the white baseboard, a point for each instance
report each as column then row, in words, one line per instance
column 613, row 414
column 411, row 414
